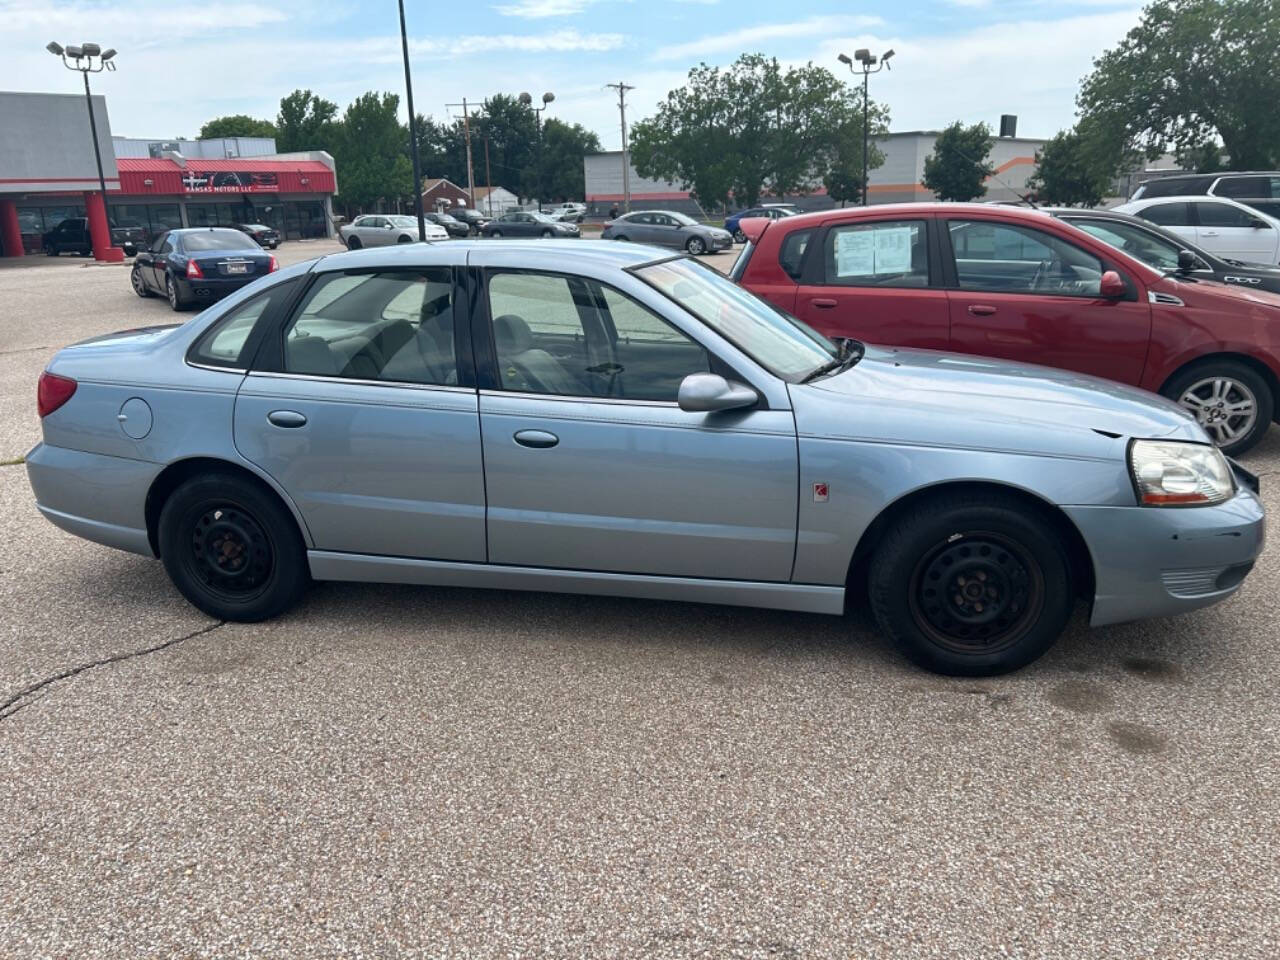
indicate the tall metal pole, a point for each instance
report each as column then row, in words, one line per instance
column 413, row 132
column 866, row 139
column 487, row 176
column 471, row 177
column 97, row 154
column 622, row 89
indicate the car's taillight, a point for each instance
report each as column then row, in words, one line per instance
column 274, row 265
column 53, row 392
column 193, row 270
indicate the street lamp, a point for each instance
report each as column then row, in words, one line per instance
column 537, row 113
column 413, row 133
column 864, row 57
column 90, row 58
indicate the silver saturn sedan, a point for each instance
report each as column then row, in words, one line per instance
column 606, row 418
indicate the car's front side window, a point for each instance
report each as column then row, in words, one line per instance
column 394, row 326
column 889, row 253
column 570, row 336
column 1006, row 257
column 1167, row 214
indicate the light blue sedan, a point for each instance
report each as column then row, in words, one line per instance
column 604, row 418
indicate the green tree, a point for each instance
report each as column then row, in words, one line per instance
column 512, row 131
column 1191, row 72
column 958, row 168
column 1202, row 158
column 559, row 174
column 842, row 160
column 1068, row 172
column 370, row 153
column 306, row 122
column 237, row 125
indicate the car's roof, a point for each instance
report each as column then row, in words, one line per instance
column 1184, row 198
column 801, row 220
column 186, row 230
column 548, row 254
column 1096, row 213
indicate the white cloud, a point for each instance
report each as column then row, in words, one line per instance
column 749, row 39
column 539, row 9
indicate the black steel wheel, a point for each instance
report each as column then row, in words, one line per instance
column 972, row 584
column 232, row 548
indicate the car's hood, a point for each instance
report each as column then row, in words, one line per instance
column 941, row 399
column 1233, row 296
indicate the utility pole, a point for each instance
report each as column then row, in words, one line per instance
column 487, row 177
column 413, row 133
column 466, row 130
column 622, row 89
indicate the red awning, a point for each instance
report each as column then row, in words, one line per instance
column 200, row 178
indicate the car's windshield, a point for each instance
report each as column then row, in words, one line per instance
column 257, row 226
column 683, row 219
column 777, row 341
column 542, row 217
column 1151, row 250
column 403, row 221
column 217, row 240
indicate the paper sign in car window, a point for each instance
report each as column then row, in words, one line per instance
column 855, row 253
column 893, row 249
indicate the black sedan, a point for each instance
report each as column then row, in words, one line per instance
column 199, row 265
column 452, row 225
column 1166, row 251
column 263, row 235
column 528, row 223
column 473, row 218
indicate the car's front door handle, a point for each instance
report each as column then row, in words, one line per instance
column 1209, row 233
column 823, row 303
column 538, row 439
column 981, row 309
column 286, row 418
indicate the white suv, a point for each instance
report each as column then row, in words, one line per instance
column 569, row 212
column 1226, row 227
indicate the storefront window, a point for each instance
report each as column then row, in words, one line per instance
column 304, row 219
column 36, row 221
column 154, row 218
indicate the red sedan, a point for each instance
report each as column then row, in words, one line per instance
column 1021, row 285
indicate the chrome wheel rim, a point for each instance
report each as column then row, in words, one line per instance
column 171, row 289
column 1226, row 408
column 739, row 236
column 695, row 246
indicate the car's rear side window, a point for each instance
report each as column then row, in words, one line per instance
column 394, row 326
column 887, row 253
column 227, row 342
column 791, row 253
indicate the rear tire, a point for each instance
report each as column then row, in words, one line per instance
column 173, row 294
column 50, row 250
column 971, row 585
column 623, row 239
column 354, row 243
column 232, row 549
column 496, row 234
column 1212, row 388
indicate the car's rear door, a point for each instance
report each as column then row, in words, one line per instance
column 362, row 406
column 876, row 279
column 590, row 464
column 1234, row 233
column 1023, row 293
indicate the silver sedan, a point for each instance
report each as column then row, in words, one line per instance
column 591, row 417
column 668, row 228
column 384, row 229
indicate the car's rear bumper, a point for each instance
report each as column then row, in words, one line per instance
column 1158, row 561
column 97, row 497
column 213, row 288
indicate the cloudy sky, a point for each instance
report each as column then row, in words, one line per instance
column 182, row 63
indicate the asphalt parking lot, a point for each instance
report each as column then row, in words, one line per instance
column 396, row 772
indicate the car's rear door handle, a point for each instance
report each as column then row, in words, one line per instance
column 822, row 303
column 1209, row 233
column 286, row 418
column 981, row 309
column 538, row 439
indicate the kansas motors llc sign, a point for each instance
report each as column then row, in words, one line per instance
column 229, row 181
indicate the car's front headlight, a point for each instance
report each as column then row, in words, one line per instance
column 1169, row 473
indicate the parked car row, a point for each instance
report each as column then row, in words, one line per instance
column 613, row 419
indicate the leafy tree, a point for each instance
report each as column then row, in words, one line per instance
column 843, row 176
column 512, row 131
column 1202, row 158
column 1069, row 173
column 370, row 152
column 306, row 122
column 958, row 168
column 1190, row 72
column 558, row 171
column 749, row 128
column 237, row 125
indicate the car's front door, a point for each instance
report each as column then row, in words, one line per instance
column 1026, row 294
column 1176, row 216
column 874, row 280
column 666, row 231
column 157, row 262
column 358, row 407
column 590, row 464
column 1235, row 233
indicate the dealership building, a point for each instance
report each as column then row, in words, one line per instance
column 48, row 173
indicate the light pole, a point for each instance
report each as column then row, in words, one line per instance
column 864, row 57
column 537, row 114
column 90, row 58
column 413, row 133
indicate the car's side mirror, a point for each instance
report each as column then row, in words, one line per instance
column 1186, row 261
column 1112, row 286
column 709, row 392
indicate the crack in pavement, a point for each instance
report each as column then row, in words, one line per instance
column 20, row 699
column 6, row 353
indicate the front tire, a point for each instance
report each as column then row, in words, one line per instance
column 495, row 234
column 696, row 246
column 139, row 285
column 739, row 236
column 548, row 234
column 50, row 250
column 1231, row 401
column 971, row 585
column 232, row 549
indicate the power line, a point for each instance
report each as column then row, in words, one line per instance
column 622, row 89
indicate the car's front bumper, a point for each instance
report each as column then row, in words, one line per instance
column 716, row 244
column 97, row 497
column 1157, row 561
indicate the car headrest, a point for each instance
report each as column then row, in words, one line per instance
column 512, row 334
column 309, row 355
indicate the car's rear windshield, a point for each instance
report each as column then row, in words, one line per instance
column 777, row 341
column 257, row 226
column 217, row 240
